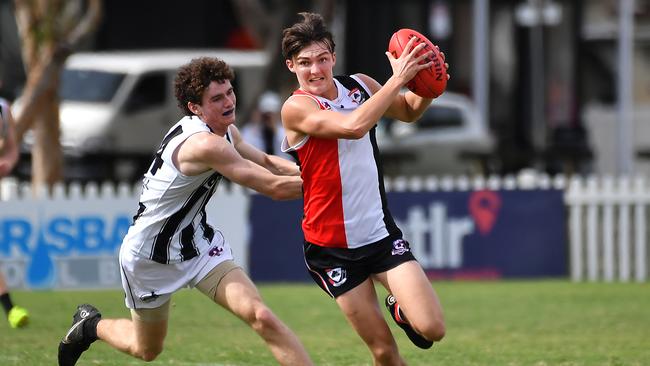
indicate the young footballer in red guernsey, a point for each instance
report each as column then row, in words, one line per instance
column 351, row 239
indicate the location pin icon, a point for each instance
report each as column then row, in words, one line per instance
column 484, row 207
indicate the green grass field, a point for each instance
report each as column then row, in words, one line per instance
column 488, row 323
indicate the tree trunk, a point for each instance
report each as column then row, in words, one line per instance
column 47, row 156
column 42, row 78
column 49, row 31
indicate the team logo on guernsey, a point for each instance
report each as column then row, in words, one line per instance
column 327, row 105
column 400, row 246
column 215, row 251
column 149, row 297
column 355, row 95
column 337, row 276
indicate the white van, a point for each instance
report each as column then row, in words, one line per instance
column 116, row 106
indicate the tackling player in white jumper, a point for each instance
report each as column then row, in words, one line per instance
column 173, row 244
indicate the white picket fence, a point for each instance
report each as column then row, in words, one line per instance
column 607, row 220
column 608, row 228
column 11, row 189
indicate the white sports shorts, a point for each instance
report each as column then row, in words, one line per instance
column 148, row 284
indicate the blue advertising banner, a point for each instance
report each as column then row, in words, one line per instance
column 73, row 242
column 62, row 244
column 472, row 234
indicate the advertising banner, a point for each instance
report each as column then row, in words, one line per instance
column 63, row 243
column 459, row 234
column 73, row 242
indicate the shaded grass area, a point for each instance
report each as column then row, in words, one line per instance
column 488, row 323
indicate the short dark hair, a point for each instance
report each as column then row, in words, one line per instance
column 300, row 35
column 195, row 77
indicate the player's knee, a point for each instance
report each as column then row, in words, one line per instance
column 385, row 354
column 264, row 320
column 433, row 330
column 149, row 354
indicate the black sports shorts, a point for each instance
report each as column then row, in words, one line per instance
column 338, row 270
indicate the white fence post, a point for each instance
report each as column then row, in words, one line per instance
column 624, row 231
column 592, row 230
column 608, row 228
column 575, row 227
column 640, row 217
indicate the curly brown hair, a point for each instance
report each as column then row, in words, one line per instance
column 300, row 35
column 194, row 78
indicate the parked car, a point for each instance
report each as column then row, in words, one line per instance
column 116, row 106
column 449, row 139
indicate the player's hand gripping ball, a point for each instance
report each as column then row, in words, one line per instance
column 427, row 83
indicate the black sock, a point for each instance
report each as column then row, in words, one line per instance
column 90, row 328
column 6, row 302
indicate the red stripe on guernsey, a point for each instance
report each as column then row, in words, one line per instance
column 323, row 222
column 302, row 92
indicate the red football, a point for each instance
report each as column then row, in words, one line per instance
column 428, row 83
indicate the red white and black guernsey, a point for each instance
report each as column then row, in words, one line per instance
column 344, row 197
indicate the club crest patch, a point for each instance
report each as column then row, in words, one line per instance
column 356, row 96
column 215, row 251
column 337, row 276
column 400, row 246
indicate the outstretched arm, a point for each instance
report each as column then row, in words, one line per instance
column 203, row 151
column 273, row 163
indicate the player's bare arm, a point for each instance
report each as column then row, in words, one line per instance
column 204, row 151
column 302, row 116
column 406, row 107
column 273, row 163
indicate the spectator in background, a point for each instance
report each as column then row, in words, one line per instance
column 17, row 316
column 265, row 130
